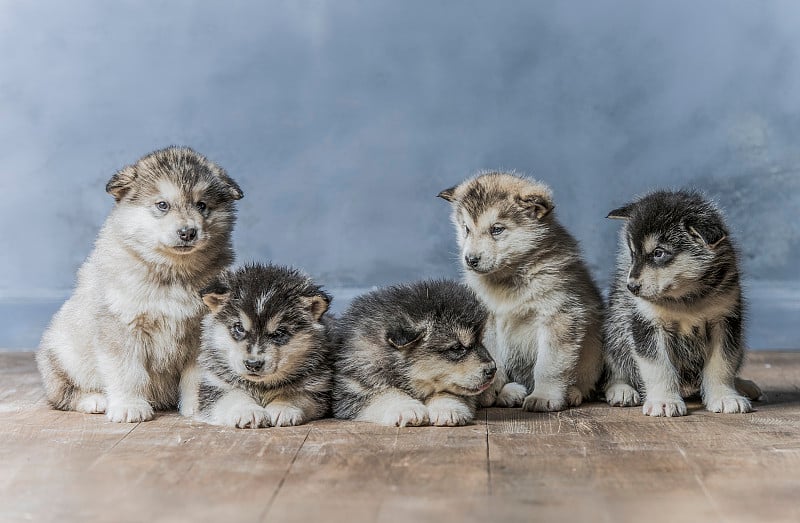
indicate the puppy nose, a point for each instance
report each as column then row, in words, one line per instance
column 187, row 234
column 254, row 365
column 472, row 261
column 489, row 372
column 634, row 287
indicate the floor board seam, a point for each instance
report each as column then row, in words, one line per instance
column 283, row 478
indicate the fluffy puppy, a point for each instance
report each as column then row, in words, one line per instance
column 674, row 326
column 127, row 339
column 411, row 355
column 264, row 354
column 547, row 312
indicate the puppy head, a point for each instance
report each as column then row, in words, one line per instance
column 265, row 322
column 674, row 245
column 499, row 218
column 173, row 203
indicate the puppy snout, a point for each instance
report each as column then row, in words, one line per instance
column 489, row 372
column 187, row 234
column 634, row 287
column 471, row 260
column 254, row 365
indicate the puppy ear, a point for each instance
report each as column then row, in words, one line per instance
column 119, row 184
column 317, row 305
column 623, row 213
column 708, row 234
column 538, row 205
column 216, row 295
column 234, row 190
column 404, row 338
column 448, row 194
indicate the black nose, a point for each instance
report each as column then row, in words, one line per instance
column 634, row 287
column 489, row 372
column 472, row 261
column 254, row 365
column 187, row 234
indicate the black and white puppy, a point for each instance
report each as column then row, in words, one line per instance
column 674, row 325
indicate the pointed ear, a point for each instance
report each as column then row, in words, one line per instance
column 538, row 205
column 215, row 296
column 448, row 194
column 233, row 188
column 404, row 338
column 708, row 234
column 623, row 213
column 119, row 184
column 317, row 305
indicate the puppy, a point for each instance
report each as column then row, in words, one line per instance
column 674, row 326
column 411, row 355
column 264, row 353
column 126, row 340
column 546, row 333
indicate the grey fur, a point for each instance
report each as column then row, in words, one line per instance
column 411, row 354
column 677, row 330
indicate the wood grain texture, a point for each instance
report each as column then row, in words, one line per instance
column 593, row 463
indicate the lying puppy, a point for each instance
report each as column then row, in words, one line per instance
column 264, row 354
column 546, row 333
column 411, row 355
column 674, row 326
column 126, row 341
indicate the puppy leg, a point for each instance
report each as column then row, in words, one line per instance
column 446, row 410
column 393, row 407
column 502, row 393
column 126, row 382
column 718, row 389
column 619, row 392
column 662, row 392
column 555, row 361
column 189, row 389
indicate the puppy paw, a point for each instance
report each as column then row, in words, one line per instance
column 622, row 395
column 91, row 403
column 511, row 395
column 664, row 407
column 729, row 404
column 574, row 396
column 448, row 412
column 245, row 416
column 748, row 389
column 131, row 411
column 488, row 398
column 282, row 415
column 188, row 407
column 538, row 402
column 406, row 414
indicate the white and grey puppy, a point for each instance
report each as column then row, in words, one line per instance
column 264, row 354
column 412, row 355
column 127, row 339
column 674, row 326
column 546, row 334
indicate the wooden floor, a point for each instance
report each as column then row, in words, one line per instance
column 593, row 463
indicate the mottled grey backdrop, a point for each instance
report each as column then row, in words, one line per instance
column 343, row 119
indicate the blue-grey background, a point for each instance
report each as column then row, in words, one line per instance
column 343, row 119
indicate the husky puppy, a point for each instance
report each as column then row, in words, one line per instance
column 126, row 340
column 411, row 355
column 527, row 269
column 674, row 326
column 264, row 353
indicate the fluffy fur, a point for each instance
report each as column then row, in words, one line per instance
column 412, row 355
column 264, row 354
column 675, row 318
column 547, row 312
column 126, row 340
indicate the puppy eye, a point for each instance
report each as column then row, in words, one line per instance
column 661, row 256
column 466, row 230
column 496, row 230
column 456, row 353
column 238, row 331
column 280, row 336
column 162, row 206
column 201, row 206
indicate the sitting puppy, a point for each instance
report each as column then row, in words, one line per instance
column 674, row 326
column 411, row 355
column 126, row 341
column 264, row 354
column 546, row 333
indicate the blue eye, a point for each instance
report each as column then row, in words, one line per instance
column 280, row 336
column 661, row 256
column 496, row 230
column 162, row 206
column 201, row 206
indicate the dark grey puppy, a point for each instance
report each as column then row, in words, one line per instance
column 412, row 355
column 265, row 349
column 674, row 326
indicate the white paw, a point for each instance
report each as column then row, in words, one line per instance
column 92, row 403
column 729, row 404
column 664, row 407
column 539, row 402
column 622, row 395
column 407, row 413
column 131, row 411
column 188, row 406
column 449, row 413
column 282, row 415
column 245, row 416
column 512, row 395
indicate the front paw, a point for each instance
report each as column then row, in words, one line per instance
column 512, row 395
column 539, row 402
column 452, row 414
column 282, row 415
column 622, row 395
column 130, row 411
column 245, row 417
column 408, row 413
column 729, row 404
column 92, row 403
column 669, row 407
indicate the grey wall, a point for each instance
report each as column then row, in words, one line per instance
column 343, row 119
